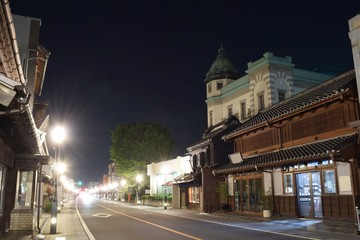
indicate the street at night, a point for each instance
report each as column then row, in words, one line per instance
column 179, row 120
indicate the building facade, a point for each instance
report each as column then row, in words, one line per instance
column 206, row 154
column 268, row 80
column 300, row 153
column 300, row 157
column 163, row 174
column 23, row 147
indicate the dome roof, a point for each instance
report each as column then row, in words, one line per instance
column 222, row 67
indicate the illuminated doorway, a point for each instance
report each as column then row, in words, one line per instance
column 309, row 194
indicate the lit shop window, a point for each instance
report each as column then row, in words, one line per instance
column 24, row 189
column 329, row 181
column 288, row 184
column 194, row 194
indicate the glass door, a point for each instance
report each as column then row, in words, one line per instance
column 248, row 195
column 244, row 195
column 309, row 194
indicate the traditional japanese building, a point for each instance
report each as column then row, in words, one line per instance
column 300, row 157
column 232, row 99
column 301, row 153
column 204, row 192
column 23, row 124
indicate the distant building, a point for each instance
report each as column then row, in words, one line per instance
column 162, row 175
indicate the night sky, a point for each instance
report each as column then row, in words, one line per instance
column 116, row 62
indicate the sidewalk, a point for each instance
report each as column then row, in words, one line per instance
column 70, row 225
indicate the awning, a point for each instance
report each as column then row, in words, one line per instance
column 188, row 179
column 330, row 148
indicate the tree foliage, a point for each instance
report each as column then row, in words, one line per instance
column 135, row 145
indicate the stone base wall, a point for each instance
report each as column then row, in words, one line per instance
column 22, row 220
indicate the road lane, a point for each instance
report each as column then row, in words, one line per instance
column 107, row 220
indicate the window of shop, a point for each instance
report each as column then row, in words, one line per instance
column 288, row 183
column 24, row 189
column 329, row 181
column 2, row 182
column 328, row 175
column 194, row 194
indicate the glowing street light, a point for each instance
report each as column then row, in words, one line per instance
column 123, row 182
column 60, row 168
column 58, row 136
column 139, row 178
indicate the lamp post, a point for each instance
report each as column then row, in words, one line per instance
column 139, row 179
column 60, row 170
column 122, row 184
column 165, row 171
column 58, row 136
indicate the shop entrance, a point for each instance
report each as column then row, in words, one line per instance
column 309, row 194
column 248, row 195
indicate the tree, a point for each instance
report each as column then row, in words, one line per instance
column 135, row 145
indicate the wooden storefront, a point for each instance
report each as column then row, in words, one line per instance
column 304, row 151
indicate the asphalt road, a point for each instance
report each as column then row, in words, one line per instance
column 117, row 221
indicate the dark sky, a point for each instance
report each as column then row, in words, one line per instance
column 116, row 62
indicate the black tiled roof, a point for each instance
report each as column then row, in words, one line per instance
column 318, row 149
column 218, row 130
column 312, row 96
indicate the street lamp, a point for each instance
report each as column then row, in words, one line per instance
column 60, row 170
column 122, row 184
column 139, row 179
column 58, row 136
column 165, row 170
